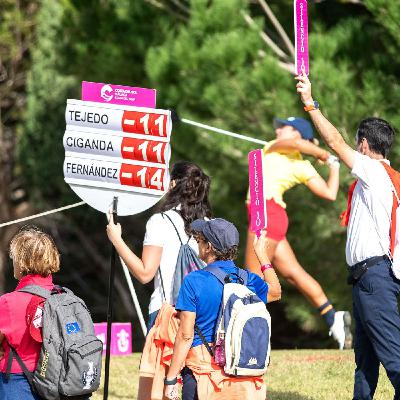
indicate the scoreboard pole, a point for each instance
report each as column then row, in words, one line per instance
column 110, row 306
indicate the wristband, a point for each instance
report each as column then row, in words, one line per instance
column 333, row 160
column 311, row 107
column 170, row 382
column 266, row 266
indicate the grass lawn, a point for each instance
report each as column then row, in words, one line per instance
column 292, row 375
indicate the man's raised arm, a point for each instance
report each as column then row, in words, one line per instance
column 328, row 132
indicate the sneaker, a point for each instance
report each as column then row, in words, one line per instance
column 340, row 330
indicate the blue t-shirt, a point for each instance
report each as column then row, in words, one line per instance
column 201, row 292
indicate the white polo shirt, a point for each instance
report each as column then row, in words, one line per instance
column 160, row 232
column 371, row 208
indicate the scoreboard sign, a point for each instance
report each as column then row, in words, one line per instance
column 117, row 151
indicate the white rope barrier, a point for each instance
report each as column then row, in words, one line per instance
column 16, row 221
column 223, row 131
column 185, row 121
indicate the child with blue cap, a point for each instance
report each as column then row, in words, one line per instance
column 199, row 301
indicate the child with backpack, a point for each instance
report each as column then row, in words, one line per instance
column 224, row 332
column 48, row 347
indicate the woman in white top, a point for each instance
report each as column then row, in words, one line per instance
column 185, row 201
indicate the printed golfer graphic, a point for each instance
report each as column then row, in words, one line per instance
column 89, row 376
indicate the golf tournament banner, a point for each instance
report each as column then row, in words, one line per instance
column 117, row 151
column 258, row 211
column 301, row 37
column 118, row 94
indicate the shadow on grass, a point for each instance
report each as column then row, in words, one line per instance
column 277, row 395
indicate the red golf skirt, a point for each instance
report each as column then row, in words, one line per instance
column 277, row 220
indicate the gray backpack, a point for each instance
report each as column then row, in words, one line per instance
column 70, row 358
column 186, row 262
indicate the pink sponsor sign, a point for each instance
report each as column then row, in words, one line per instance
column 121, row 337
column 117, row 94
column 257, row 203
column 301, row 36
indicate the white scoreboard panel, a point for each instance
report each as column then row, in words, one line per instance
column 113, row 150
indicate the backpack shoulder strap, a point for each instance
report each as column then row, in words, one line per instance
column 203, row 339
column 217, row 272
column 13, row 354
column 36, row 290
column 244, row 275
column 176, row 229
column 221, row 275
column 159, row 269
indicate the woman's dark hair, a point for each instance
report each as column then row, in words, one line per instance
column 190, row 192
column 378, row 133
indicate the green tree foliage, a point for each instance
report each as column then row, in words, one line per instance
column 41, row 149
column 78, row 41
column 218, row 71
column 209, row 62
column 17, row 21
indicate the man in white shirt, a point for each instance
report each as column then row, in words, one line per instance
column 375, row 288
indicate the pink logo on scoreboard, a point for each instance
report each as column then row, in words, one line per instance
column 301, row 36
column 117, row 94
column 257, row 202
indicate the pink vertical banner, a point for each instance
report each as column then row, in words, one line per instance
column 301, row 36
column 258, row 209
column 100, row 330
column 121, row 337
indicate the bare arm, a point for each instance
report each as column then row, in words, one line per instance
column 300, row 145
column 183, row 343
column 329, row 133
column 143, row 269
column 269, row 275
column 327, row 190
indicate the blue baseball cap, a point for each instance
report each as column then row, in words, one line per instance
column 220, row 233
column 300, row 124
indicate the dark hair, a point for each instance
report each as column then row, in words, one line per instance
column 227, row 254
column 190, row 192
column 220, row 255
column 378, row 133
